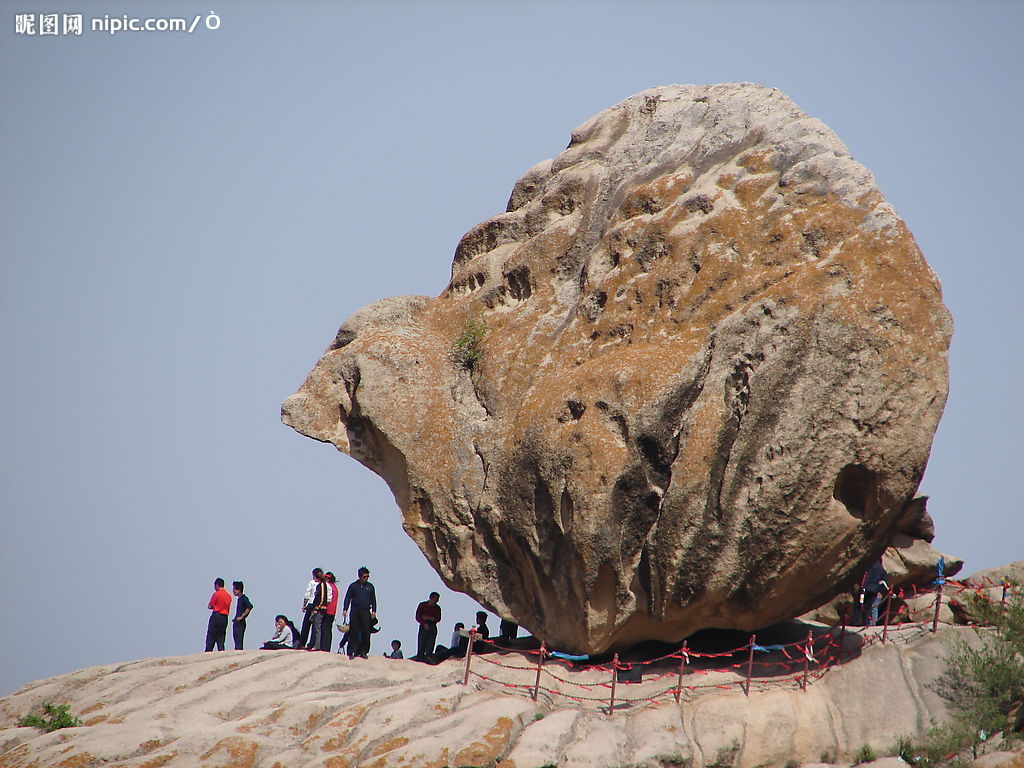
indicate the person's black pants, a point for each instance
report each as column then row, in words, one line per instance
column 326, row 632
column 359, row 633
column 270, row 645
column 216, row 631
column 426, row 638
column 238, row 633
column 316, row 624
column 307, row 620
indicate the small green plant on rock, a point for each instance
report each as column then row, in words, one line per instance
column 466, row 349
column 673, row 761
column 726, row 757
column 865, row 755
column 59, row 717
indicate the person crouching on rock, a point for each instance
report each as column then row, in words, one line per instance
column 282, row 638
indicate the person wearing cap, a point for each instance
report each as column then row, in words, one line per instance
column 361, row 598
column 220, row 606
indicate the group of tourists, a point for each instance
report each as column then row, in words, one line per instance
column 358, row 621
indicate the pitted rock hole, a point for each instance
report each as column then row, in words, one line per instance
column 855, row 489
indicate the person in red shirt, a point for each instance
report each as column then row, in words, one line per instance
column 220, row 606
column 327, row 623
column 428, row 615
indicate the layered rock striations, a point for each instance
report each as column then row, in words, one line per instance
column 689, row 378
column 252, row 709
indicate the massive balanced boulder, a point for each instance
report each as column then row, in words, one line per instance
column 688, row 379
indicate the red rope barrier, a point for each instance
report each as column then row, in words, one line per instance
column 820, row 655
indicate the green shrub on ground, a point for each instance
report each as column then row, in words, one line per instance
column 59, row 717
column 865, row 755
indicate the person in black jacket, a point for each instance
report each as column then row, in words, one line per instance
column 873, row 584
column 361, row 598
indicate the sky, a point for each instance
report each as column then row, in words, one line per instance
column 188, row 218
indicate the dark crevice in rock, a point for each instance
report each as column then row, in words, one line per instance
column 485, row 466
column 856, row 488
column 566, row 509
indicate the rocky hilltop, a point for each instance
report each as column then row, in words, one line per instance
column 290, row 709
column 690, row 378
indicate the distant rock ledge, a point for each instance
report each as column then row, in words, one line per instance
column 252, row 709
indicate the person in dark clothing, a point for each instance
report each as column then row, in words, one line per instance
column 873, row 584
column 507, row 632
column 428, row 614
column 307, row 607
column 321, row 597
column 361, row 598
column 242, row 610
column 482, row 632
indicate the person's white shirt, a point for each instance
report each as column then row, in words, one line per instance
column 310, row 595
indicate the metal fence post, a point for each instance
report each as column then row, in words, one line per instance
column 682, row 667
column 540, row 663
column 938, row 605
column 750, row 665
column 885, row 623
column 808, row 652
column 842, row 638
column 615, row 669
column 469, row 654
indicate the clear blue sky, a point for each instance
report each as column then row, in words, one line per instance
column 188, row 218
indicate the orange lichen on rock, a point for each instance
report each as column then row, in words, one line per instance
column 489, row 747
column 232, row 752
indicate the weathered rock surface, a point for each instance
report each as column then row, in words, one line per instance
column 713, row 365
column 251, row 709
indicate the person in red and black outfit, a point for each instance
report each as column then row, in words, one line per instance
column 428, row 615
column 327, row 623
column 220, row 605
column 321, row 597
